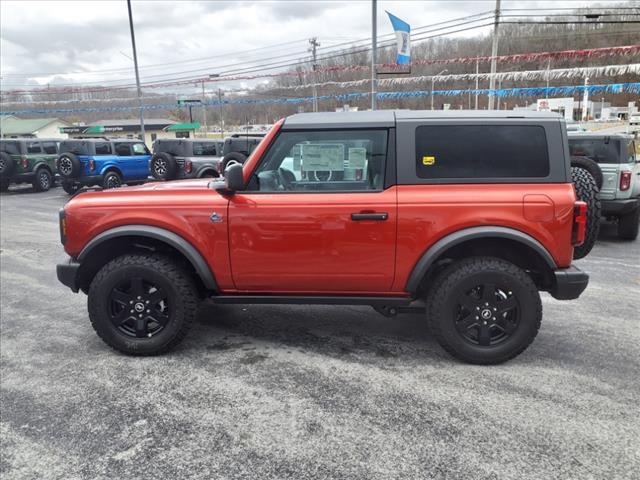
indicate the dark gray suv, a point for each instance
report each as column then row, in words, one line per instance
column 185, row 158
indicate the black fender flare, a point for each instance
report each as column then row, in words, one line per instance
column 42, row 164
column 472, row 233
column 176, row 241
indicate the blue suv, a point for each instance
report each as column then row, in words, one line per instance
column 105, row 162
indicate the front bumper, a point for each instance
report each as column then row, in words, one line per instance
column 619, row 207
column 569, row 283
column 68, row 274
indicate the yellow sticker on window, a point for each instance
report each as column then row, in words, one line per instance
column 428, row 160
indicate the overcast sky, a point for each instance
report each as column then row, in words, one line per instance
column 52, row 41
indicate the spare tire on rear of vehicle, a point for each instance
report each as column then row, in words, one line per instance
column 233, row 157
column 7, row 164
column 69, row 165
column 163, row 166
column 591, row 166
column 588, row 192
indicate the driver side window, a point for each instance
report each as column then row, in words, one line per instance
column 323, row 161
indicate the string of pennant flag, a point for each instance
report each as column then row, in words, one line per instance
column 555, row 74
column 500, row 92
column 519, row 57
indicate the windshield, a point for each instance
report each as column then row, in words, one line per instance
column 12, row 148
column 602, row 150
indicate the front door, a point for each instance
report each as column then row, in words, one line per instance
column 316, row 217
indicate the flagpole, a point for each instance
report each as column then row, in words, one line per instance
column 374, row 53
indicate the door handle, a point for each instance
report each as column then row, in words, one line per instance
column 380, row 217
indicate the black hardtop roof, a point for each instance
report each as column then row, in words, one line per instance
column 188, row 140
column 95, row 140
column 388, row 118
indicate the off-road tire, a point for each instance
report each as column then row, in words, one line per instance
column 68, row 165
column 163, row 166
column 7, row 165
column 443, row 297
column 112, row 179
column 591, row 166
column 42, row 180
column 233, row 157
column 70, row 187
column 587, row 191
column 168, row 274
column 628, row 225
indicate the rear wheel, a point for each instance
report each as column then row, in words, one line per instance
column 112, row 180
column 70, row 187
column 42, row 180
column 628, row 225
column 484, row 310
column 4, row 184
column 142, row 304
column 231, row 158
column 587, row 191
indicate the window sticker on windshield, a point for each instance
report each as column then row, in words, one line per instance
column 322, row 157
column 357, row 157
column 428, row 160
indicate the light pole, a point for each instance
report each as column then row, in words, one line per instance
column 220, row 94
column 433, row 79
column 135, row 64
column 374, row 53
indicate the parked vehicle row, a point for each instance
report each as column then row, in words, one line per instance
column 111, row 163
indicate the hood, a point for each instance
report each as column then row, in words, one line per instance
column 174, row 193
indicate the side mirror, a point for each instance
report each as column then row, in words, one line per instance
column 233, row 179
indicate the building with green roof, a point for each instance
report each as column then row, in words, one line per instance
column 13, row 127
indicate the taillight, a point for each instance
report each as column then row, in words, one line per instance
column 92, row 165
column 188, row 166
column 24, row 161
column 579, row 223
column 625, row 180
column 63, row 226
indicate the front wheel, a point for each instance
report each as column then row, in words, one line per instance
column 484, row 310
column 142, row 304
column 42, row 180
column 628, row 225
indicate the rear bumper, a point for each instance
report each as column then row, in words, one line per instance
column 619, row 207
column 569, row 283
column 68, row 274
column 84, row 180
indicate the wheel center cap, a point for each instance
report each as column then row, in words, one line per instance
column 486, row 314
column 139, row 307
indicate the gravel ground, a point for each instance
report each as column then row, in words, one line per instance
column 310, row 392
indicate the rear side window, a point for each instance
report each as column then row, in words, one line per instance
column 481, row 151
column 602, row 150
column 103, row 148
column 77, row 147
column 204, row 149
column 50, row 148
column 123, row 149
column 34, row 147
column 12, row 148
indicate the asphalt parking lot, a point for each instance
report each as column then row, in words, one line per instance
column 310, row 392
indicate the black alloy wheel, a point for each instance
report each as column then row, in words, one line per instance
column 138, row 307
column 487, row 314
column 112, row 180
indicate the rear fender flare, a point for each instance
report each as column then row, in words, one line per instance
column 441, row 246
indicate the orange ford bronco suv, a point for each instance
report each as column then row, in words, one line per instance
column 465, row 216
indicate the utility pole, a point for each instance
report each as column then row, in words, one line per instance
column 477, row 72
column 494, row 54
column 220, row 106
column 433, row 80
column 374, row 53
column 135, row 64
column 204, row 110
column 585, row 101
column 314, row 66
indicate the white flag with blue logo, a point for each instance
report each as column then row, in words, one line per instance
column 403, row 37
